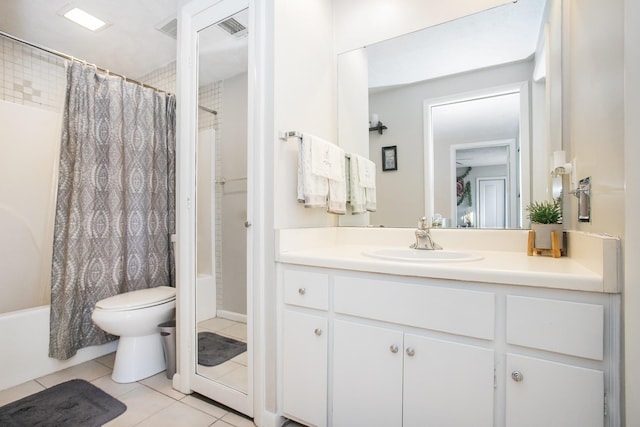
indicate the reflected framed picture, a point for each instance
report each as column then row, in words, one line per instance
column 389, row 158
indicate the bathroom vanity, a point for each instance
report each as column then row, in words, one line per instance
column 502, row 340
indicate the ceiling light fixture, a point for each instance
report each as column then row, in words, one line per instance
column 81, row 17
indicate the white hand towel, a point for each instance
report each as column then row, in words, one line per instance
column 367, row 171
column 338, row 190
column 362, row 185
column 357, row 196
column 327, row 159
column 312, row 189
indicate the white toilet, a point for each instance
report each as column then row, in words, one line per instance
column 134, row 317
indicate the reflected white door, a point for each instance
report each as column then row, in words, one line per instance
column 491, row 202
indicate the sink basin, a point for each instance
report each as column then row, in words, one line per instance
column 418, row 255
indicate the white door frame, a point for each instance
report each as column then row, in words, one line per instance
column 524, row 138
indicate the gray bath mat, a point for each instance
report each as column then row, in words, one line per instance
column 214, row 349
column 73, row 403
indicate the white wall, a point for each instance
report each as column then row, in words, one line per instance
column 632, row 207
column 30, row 147
column 233, row 150
column 594, row 95
column 305, row 98
column 402, row 111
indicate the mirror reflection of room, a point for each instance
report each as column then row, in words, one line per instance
column 496, row 51
column 221, row 297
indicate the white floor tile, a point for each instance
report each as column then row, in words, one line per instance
column 113, row 388
column 107, row 360
column 202, row 405
column 88, row 371
column 214, row 325
column 237, row 331
column 18, row 392
column 142, row 403
column 164, row 385
column 179, row 414
column 236, row 379
column 237, row 421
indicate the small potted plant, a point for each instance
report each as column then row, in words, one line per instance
column 545, row 217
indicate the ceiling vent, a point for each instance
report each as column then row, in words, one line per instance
column 170, row 28
column 233, row 27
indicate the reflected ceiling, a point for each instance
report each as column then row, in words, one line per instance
column 497, row 36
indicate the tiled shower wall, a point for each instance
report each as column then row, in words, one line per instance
column 31, row 76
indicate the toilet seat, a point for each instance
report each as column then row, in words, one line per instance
column 135, row 300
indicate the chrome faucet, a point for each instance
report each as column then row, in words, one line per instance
column 423, row 237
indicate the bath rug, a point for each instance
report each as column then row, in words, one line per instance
column 73, row 403
column 214, row 349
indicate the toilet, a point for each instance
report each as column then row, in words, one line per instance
column 134, row 317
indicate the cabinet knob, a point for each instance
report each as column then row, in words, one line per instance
column 517, row 376
column 410, row 352
column 393, row 348
column 302, row 291
column 318, row 331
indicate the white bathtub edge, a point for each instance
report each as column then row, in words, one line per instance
column 24, row 337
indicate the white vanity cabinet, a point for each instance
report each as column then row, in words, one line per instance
column 410, row 352
column 367, row 375
column 540, row 391
column 391, row 374
column 384, row 377
column 305, row 347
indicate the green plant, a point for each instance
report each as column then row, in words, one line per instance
column 545, row 212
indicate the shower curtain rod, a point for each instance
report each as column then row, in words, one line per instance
column 71, row 58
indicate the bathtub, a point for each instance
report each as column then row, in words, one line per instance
column 24, row 339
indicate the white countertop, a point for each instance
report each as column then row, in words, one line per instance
column 496, row 266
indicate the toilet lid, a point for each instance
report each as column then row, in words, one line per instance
column 138, row 299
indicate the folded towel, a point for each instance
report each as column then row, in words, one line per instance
column 362, row 185
column 321, row 175
column 312, row 189
column 338, row 190
column 327, row 159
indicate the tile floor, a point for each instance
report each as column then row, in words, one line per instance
column 233, row 372
column 150, row 402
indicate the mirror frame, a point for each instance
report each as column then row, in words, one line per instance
column 193, row 17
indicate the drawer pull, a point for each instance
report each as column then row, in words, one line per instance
column 410, row 352
column 318, row 331
column 302, row 291
column 517, row 376
column 393, row 348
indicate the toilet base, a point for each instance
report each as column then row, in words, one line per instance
column 138, row 358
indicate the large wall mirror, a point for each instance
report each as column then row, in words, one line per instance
column 214, row 300
column 473, row 107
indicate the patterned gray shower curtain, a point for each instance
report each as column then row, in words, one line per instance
column 115, row 208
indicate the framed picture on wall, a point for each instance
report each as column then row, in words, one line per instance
column 389, row 158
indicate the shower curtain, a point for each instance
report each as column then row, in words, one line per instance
column 115, row 209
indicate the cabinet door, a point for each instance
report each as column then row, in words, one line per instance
column 447, row 384
column 304, row 357
column 367, row 376
column 544, row 393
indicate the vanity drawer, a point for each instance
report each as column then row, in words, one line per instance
column 563, row 327
column 306, row 289
column 456, row 311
